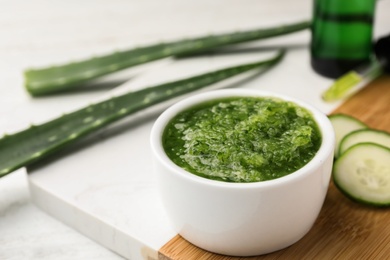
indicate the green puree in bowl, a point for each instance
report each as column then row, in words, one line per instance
column 242, row 139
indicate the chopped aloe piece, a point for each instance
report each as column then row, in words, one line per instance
column 37, row 142
column 342, row 86
column 363, row 174
column 363, row 136
column 343, row 125
column 353, row 81
column 63, row 77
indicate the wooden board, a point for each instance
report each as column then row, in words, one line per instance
column 344, row 229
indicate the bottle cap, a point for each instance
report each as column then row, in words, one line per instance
column 382, row 51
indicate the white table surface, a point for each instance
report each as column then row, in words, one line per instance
column 39, row 32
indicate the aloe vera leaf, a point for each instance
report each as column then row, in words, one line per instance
column 37, row 142
column 58, row 78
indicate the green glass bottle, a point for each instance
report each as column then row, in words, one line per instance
column 341, row 35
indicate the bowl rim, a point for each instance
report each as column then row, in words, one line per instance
column 324, row 125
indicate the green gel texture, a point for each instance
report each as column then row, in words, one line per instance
column 242, row 139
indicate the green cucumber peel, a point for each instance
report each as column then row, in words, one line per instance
column 362, row 136
column 44, row 81
column 38, row 142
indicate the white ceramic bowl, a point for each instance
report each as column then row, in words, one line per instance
column 242, row 219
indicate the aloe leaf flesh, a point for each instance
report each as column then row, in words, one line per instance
column 37, row 142
column 54, row 79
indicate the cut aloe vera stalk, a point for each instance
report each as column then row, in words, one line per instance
column 33, row 144
column 343, row 125
column 363, row 136
column 352, row 82
column 63, row 77
column 342, row 86
column 362, row 173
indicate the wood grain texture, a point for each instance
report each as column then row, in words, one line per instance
column 344, row 229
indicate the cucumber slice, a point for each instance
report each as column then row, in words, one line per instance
column 362, row 173
column 362, row 136
column 343, row 125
